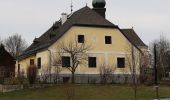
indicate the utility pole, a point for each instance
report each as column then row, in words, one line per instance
column 156, row 73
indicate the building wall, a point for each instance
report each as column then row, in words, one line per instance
column 105, row 53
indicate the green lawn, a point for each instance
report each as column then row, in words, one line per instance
column 85, row 92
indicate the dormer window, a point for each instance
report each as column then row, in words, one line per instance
column 80, row 38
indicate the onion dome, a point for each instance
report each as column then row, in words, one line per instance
column 99, row 3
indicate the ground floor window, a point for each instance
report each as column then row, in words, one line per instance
column 92, row 62
column 39, row 63
column 65, row 61
column 32, row 62
column 121, row 62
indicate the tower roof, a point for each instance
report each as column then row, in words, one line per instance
column 99, row 3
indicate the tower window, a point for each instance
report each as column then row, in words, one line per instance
column 80, row 38
column 108, row 40
column 65, row 61
column 121, row 62
column 92, row 62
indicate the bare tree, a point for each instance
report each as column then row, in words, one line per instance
column 15, row 45
column 134, row 63
column 162, row 51
column 45, row 74
column 106, row 72
column 1, row 41
column 77, row 53
column 57, row 68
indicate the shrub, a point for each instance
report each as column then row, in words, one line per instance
column 11, row 81
column 32, row 74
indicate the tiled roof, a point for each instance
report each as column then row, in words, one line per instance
column 133, row 37
column 83, row 17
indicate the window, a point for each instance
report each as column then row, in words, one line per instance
column 92, row 61
column 65, row 61
column 121, row 62
column 31, row 61
column 108, row 40
column 18, row 68
column 80, row 38
column 39, row 63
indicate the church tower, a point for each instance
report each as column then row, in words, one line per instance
column 99, row 7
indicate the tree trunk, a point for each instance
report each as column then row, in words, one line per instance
column 135, row 92
column 72, row 78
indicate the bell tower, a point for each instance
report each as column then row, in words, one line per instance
column 99, row 7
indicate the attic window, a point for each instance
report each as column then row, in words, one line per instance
column 80, row 38
column 108, row 40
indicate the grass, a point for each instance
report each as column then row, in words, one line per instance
column 85, row 92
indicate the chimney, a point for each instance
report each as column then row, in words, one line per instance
column 63, row 18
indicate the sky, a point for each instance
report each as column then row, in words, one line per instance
column 31, row 18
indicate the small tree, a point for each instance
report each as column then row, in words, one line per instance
column 162, row 51
column 77, row 53
column 32, row 74
column 45, row 74
column 1, row 41
column 57, row 68
column 21, row 77
column 134, row 63
column 106, row 73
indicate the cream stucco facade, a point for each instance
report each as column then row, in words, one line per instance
column 94, row 36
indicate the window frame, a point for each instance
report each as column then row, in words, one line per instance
column 39, row 63
column 91, row 63
column 32, row 62
column 119, row 64
column 108, row 41
column 19, row 68
column 65, row 64
column 80, row 38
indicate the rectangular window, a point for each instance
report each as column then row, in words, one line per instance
column 108, row 40
column 31, row 61
column 92, row 62
column 121, row 62
column 80, row 38
column 39, row 63
column 18, row 68
column 65, row 61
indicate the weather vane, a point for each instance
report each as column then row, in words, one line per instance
column 71, row 6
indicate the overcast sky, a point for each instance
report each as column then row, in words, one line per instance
column 31, row 18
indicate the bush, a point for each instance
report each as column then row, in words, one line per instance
column 32, row 74
column 11, row 81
